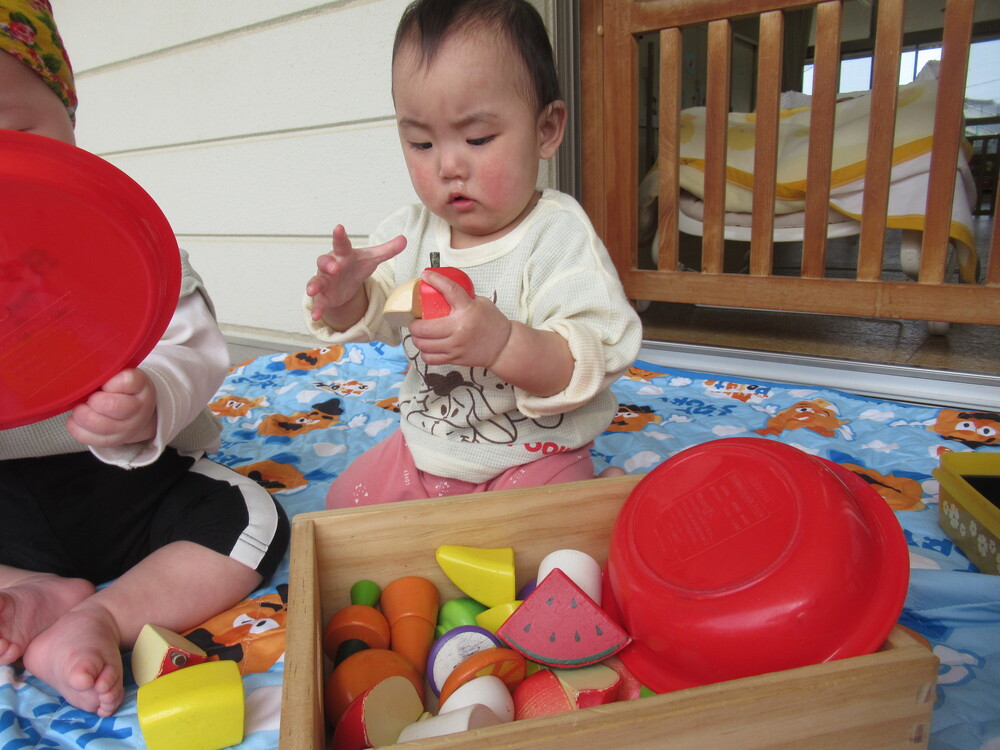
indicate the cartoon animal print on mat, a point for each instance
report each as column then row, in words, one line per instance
column 322, row 415
column 345, row 387
column 309, row 359
column 273, row 476
column 632, row 418
column 973, row 429
column 901, row 493
column 817, row 414
column 236, row 406
column 252, row 633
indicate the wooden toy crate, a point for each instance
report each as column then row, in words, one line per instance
column 883, row 700
column 968, row 516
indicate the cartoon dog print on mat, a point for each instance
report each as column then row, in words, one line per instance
column 973, row 429
column 321, row 416
column 818, row 415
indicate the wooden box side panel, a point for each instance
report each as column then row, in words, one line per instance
column 302, row 716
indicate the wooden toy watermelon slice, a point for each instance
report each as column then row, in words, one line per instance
column 560, row 626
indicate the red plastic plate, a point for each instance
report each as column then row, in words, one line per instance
column 89, row 275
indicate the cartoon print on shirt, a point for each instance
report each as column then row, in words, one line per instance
column 456, row 404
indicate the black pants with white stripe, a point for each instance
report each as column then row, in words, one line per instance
column 75, row 516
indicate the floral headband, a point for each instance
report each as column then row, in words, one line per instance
column 28, row 32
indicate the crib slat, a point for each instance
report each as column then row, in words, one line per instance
column 882, row 125
column 621, row 136
column 947, row 136
column 826, row 83
column 669, row 148
column 720, row 34
column 765, row 158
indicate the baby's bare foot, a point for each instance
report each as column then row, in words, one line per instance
column 79, row 656
column 31, row 605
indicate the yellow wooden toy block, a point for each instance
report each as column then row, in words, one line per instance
column 496, row 616
column 199, row 707
column 487, row 575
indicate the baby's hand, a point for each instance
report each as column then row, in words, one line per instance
column 123, row 411
column 344, row 269
column 473, row 334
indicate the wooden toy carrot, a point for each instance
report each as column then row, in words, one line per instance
column 410, row 604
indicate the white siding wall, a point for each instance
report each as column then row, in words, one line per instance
column 257, row 126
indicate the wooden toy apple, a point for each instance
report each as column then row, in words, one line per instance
column 377, row 716
column 360, row 671
column 554, row 691
column 418, row 299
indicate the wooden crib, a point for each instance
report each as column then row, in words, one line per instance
column 610, row 85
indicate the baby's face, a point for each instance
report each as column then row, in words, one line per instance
column 27, row 104
column 471, row 137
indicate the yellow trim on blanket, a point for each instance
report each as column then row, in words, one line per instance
column 796, row 190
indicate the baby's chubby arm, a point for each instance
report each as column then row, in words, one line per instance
column 122, row 412
column 477, row 334
column 337, row 289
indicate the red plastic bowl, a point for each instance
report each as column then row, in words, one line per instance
column 744, row 556
column 89, row 275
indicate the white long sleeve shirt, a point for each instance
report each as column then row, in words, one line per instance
column 553, row 273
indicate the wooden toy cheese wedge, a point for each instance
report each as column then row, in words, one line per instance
column 159, row 651
column 197, row 708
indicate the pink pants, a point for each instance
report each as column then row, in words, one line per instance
column 386, row 473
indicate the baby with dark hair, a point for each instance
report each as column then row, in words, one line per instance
column 511, row 387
